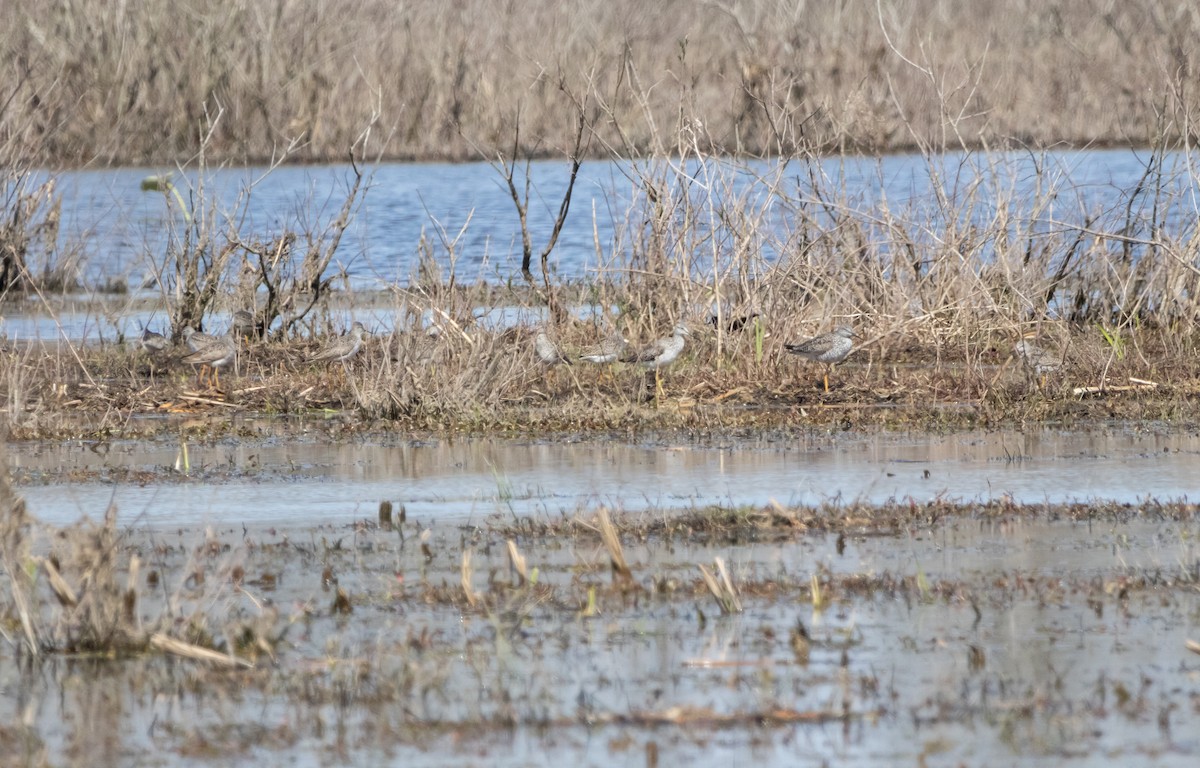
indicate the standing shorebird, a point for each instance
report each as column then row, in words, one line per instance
column 610, row 350
column 197, row 341
column 342, row 348
column 547, row 351
column 1039, row 361
column 152, row 343
column 242, row 324
column 209, row 351
column 829, row 348
column 660, row 353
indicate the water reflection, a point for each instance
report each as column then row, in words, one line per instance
column 289, row 480
column 1062, row 668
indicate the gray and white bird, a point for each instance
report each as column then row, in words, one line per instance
column 242, row 324
column 547, row 351
column 152, row 343
column 1038, row 360
column 608, row 351
column 209, row 351
column 197, row 340
column 342, row 348
column 661, row 352
column 829, row 348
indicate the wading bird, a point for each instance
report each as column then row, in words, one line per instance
column 660, row 353
column 342, row 348
column 152, row 343
column 547, row 351
column 829, row 348
column 608, row 351
column 1039, row 361
column 209, row 351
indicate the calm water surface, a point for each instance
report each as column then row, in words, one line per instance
column 303, row 482
column 122, row 232
column 1022, row 655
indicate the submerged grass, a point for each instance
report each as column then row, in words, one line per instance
column 399, row 631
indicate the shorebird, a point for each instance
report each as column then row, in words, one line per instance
column 829, row 348
column 608, row 351
column 660, row 353
column 547, row 351
column 1035, row 357
column 1039, row 361
column 196, row 340
column 209, row 351
column 242, row 324
column 342, row 348
column 152, row 343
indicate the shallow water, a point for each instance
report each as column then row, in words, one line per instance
column 1005, row 640
column 299, row 480
column 1018, row 655
column 125, row 234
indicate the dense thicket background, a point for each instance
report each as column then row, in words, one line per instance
column 109, row 81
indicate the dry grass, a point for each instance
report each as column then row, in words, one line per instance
column 81, row 590
column 939, row 290
column 94, row 82
column 913, row 375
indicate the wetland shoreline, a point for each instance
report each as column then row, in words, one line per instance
column 64, row 391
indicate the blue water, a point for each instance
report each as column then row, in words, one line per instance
column 417, row 221
column 465, row 215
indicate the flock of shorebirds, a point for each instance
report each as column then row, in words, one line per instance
column 211, row 353
column 828, row 348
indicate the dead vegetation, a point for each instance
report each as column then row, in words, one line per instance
column 91, row 83
column 407, row 631
column 83, row 590
column 477, row 379
column 940, row 290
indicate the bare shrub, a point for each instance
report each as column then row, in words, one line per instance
column 103, row 83
column 30, row 257
column 209, row 265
